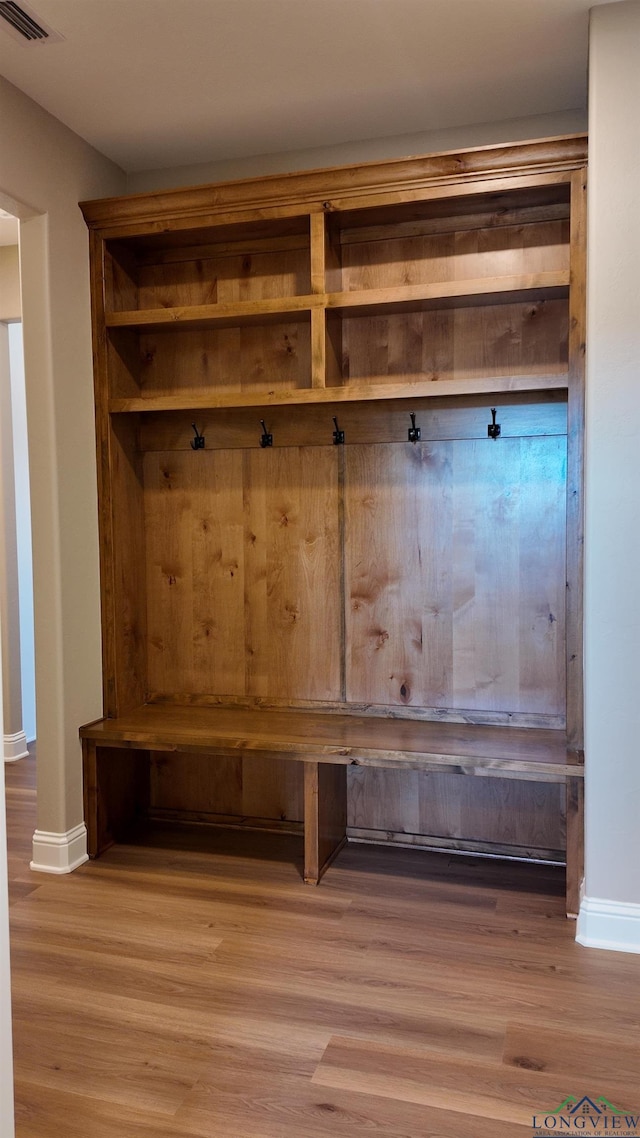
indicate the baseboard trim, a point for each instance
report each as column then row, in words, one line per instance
column 59, row 853
column 612, row 925
column 15, row 747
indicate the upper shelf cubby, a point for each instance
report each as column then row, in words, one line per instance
column 448, row 241
column 222, row 266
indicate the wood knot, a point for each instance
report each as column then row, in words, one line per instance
column 528, row 1064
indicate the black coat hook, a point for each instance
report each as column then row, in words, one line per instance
column 266, row 440
column 198, row 442
column 414, row 433
column 493, row 429
column 338, row 435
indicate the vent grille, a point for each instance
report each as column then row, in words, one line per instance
column 24, row 25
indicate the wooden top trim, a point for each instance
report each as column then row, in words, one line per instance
column 565, row 152
column 343, row 739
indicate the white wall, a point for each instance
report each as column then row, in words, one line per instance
column 367, row 150
column 44, row 171
column 610, row 914
column 23, row 531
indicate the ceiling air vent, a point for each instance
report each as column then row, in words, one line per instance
column 23, row 25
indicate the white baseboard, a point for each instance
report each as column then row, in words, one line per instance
column 15, row 747
column 609, row 924
column 59, row 853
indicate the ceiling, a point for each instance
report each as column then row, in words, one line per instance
column 161, row 83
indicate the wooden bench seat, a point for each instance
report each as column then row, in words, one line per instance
column 116, row 780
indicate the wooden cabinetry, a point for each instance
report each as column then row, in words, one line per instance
column 389, row 616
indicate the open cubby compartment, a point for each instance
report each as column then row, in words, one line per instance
column 412, row 342
column 513, row 232
column 224, row 264
column 211, row 358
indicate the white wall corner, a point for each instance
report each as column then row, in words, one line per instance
column 59, row 853
column 612, row 925
column 15, row 747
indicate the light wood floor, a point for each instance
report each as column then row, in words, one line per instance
column 195, row 987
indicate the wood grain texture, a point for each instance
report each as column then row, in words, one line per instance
column 433, row 617
column 325, row 818
column 292, row 598
column 575, row 490
column 347, row 740
column 232, row 786
column 183, row 989
column 394, row 262
column 448, row 345
column 242, row 572
column 504, row 813
column 231, row 360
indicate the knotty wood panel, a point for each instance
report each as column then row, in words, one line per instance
column 240, row 787
column 426, row 259
column 195, row 583
column 196, row 784
column 243, row 572
column 236, row 359
column 486, row 340
column 292, row 581
column 224, row 279
column 124, row 593
column 504, row 812
column 454, row 574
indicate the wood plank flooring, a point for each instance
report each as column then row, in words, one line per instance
column 192, row 987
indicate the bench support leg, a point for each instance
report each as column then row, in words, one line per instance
column 325, row 817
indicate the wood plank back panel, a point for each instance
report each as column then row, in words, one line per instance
column 243, row 572
column 231, row 360
column 505, row 812
column 224, row 279
column 292, row 579
column 195, row 586
column 498, row 251
column 453, row 344
column 233, row 787
column 448, row 602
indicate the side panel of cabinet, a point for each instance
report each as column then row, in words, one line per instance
column 124, row 575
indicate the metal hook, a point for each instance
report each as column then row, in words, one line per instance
column 493, row 429
column 198, row 442
column 266, row 440
column 414, row 433
column 338, row 435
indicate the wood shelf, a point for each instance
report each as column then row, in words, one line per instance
column 216, row 315
column 493, row 385
column 346, row 740
column 452, row 294
column 448, row 294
